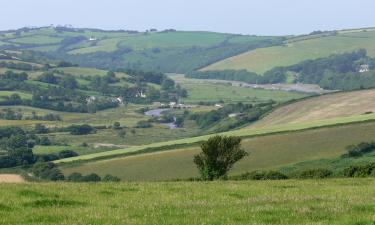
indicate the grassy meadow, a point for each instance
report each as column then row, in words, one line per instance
column 263, row 59
column 206, row 91
column 266, row 152
column 334, row 202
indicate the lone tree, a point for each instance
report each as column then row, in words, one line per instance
column 219, row 154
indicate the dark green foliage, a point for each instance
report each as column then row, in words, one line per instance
column 143, row 124
column 80, row 129
column 93, row 177
column 10, row 75
column 44, row 141
column 74, row 177
column 360, row 170
column 110, row 178
column 67, row 154
column 339, row 72
column 17, row 66
column 219, row 154
column 243, row 114
column 261, row 175
column 317, row 173
column 359, row 150
column 233, row 75
column 116, row 125
column 47, row 171
column 40, row 129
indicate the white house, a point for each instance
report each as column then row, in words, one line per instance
column 141, row 95
column 91, row 99
column 93, row 39
column 364, row 68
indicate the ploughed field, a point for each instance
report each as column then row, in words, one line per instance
column 334, row 202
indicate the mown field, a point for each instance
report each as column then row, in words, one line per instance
column 329, row 106
column 263, row 59
column 266, row 152
column 205, row 91
column 334, row 202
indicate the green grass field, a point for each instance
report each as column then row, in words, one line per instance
column 263, row 59
column 266, row 152
column 334, row 202
column 206, row 91
column 9, row 93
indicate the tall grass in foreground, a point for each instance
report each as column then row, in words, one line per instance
column 338, row 201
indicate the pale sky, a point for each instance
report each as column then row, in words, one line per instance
column 261, row 17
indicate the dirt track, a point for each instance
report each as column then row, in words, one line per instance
column 11, row 178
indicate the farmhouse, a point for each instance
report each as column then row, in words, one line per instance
column 364, row 68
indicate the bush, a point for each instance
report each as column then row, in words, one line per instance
column 317, row 173
column 110, row 178
column 360, row 171
column 67, row 154
column 261, row 175
column 93, row 177
column 143, row 124
column 47, row 171
column 44, row 141
column 80, row 129
column 75, row 177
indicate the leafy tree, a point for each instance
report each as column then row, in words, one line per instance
column 116, row 125
column 40, row 129
column 47, row 171
column 93, row 177
column 67, row 154
column 218, row 156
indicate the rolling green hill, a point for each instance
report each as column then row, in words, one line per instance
column 149, row 50
column 299, row 49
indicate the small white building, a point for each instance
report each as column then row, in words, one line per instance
column 364, row 68
column 218, row 105
column 91, row 99
column 93, row 39
column 141, row 95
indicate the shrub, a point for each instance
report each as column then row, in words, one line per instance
column 93, row 177
column 67, row 154
column 143, row 124
column 47, row 171
column 80, row 129
column 261, row 175
column 75, row 177
column 317, row 173
column 110, row 178
column 360, row 171
column 44, row 141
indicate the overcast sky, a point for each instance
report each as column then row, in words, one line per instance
column 262, row 17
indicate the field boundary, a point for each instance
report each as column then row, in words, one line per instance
column 189, row 142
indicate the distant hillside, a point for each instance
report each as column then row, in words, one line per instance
column 299, row 49
column 329, row 106
column 167, row 51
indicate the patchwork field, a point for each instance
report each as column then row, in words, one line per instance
column 263, row 59
column 209, row 92
column 333, row 202
column 329, row 106
column 266, row 152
